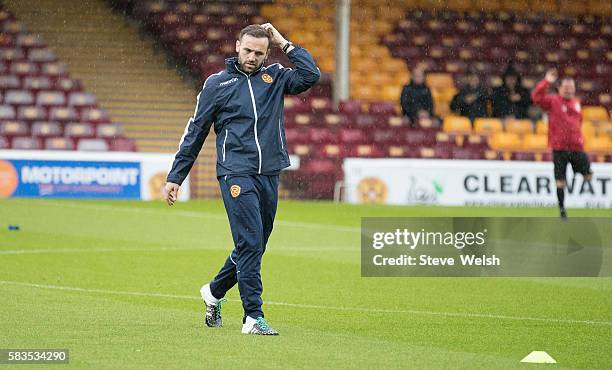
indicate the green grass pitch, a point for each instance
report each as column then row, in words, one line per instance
column 117, row 283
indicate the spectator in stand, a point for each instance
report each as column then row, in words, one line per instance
column 511, row 99
column 471, row 100
column 416, row 99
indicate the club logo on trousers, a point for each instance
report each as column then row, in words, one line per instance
column 235, row 191
column 267, row 78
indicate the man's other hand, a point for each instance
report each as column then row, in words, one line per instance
column 171, row 192
column 551, row 76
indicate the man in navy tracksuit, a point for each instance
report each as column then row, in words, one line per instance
column 245, row 104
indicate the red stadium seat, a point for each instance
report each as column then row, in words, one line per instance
column 7, row 112
column 50, row 98
column 79, row 130
column 46, row 129
column 13, row 128
column 109, row 131
column 122, row 145
column 31, row 113
column 26, row 143
column 59, row 143
column 19, row 97
column 93, row 145
column 62, row 114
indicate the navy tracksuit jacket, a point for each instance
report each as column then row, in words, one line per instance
column 247, row 113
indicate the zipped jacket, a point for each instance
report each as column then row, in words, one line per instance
column 247, row 113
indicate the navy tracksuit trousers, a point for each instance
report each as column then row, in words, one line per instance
column 250, row 202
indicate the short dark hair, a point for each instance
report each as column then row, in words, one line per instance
column 254, row 30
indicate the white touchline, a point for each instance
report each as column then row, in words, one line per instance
column 210, row 215
column 318, row 307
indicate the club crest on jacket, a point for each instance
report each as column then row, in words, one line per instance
column 267, row 78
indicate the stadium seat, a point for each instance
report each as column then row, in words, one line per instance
column 541, row 128
column 7, row 112
column 599, row 144
column 46, row 129
column 31, row 113
column 519, row 126
column 455, row 124
column 122, row 145
column 594, row 113
column 18, row 97
column 112, row 130
column 535, row 143
column 505, row 141
column 26, row 143
column 13, row 128
column 59, row 143
column 4, row 143
column 92, row 145
column 487, row 126
column 79, row 130
column 50, row 98
column 62, row 114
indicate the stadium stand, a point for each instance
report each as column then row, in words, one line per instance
column 448, row 38
column 40, row 102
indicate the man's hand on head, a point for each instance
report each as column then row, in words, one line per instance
column 171, row 192
column 275, row 37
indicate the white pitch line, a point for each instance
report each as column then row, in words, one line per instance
column 161, row 249
column 209, row 215
column 320, row 307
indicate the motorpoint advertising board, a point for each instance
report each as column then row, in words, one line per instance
column 63, row 174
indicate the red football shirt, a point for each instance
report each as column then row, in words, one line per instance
column 564, row 119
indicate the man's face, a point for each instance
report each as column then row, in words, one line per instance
column 567, row 88
column 473, row 81
column 511, row 81
column 252, row 52
column 418, row 76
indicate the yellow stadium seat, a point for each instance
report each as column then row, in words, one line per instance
column 458, row 125
column 392, row 92
column 519, row 126
column 395, row 66
column 535, row 143
column 588, row 129
column 364, row 92
column 594, row 113
column 505, row 141
column 598, row 144
column 541, row 128
column 440, row 80
column 605, row 129
column 486, row 126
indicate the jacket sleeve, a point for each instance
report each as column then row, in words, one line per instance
column 540, row 97
column 305, row 74
column 195, row 133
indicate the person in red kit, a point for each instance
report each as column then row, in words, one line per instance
column 564, row 135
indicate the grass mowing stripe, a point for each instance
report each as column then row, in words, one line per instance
column 320, row 307
column 202, row 214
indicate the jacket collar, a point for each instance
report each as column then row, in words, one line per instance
column 231, row 65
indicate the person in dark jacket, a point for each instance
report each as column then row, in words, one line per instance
column 416, row 99
column 511, row 99
column 244, row 102
column 471, row 100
